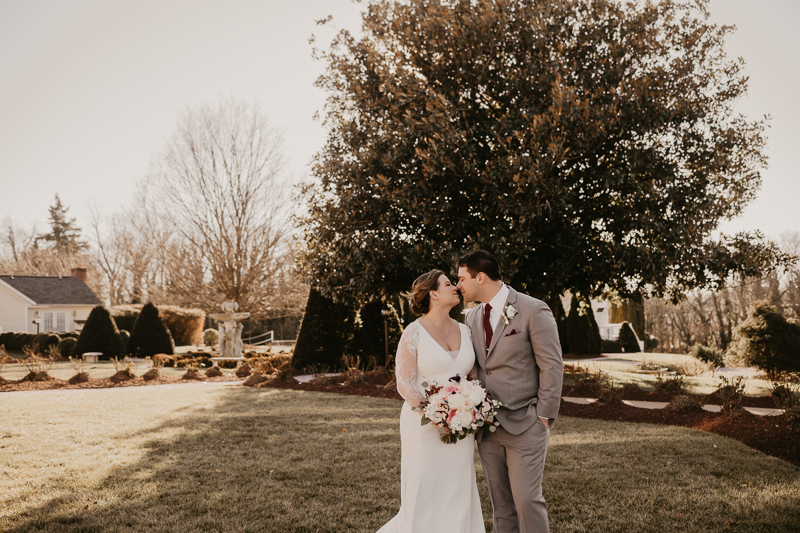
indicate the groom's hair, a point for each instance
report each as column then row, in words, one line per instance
column 480, row 261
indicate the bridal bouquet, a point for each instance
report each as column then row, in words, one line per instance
column 458, row 408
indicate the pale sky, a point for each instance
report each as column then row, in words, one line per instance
column 90, row 90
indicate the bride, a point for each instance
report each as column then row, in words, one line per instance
column 438, row 492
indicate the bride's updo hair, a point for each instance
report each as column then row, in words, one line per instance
column 419, row 298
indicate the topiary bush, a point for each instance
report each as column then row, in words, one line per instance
column 100, row 334
column 325, row 332
column 627, row 338
column 583, row 335
column 211, row 337
column 67, row 346
column 707, row 354
column 369, row 337
column 766, row 340
column 150, row 335
column 48, row 341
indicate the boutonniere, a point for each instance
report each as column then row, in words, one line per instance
column 509, row 313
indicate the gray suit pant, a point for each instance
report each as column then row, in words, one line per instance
column 513, row 466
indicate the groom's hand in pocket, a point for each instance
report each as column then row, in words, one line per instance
column 545, row 421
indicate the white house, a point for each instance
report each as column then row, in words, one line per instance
column 45, row 303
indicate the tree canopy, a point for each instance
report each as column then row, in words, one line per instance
column 589, row 144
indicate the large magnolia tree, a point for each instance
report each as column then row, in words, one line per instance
column 589, row 144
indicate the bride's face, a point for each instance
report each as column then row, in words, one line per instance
column 446, row 293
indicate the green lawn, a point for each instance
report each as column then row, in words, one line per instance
column 188, row 458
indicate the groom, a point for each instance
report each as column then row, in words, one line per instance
column 519, row 362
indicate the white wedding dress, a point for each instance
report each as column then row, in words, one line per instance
column 438, row 491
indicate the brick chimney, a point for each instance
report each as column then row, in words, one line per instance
column 79, row 272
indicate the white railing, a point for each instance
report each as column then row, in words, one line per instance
column 268, row 338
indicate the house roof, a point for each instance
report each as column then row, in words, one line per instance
column 53, row 290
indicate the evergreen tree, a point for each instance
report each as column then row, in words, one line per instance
column 545, row 132
column 766, row 340
column 326, row 330
column 369, row 338
column 64, row 232
column 583, row 335
column 628, row 339
column 100, row 334
column 150, row 335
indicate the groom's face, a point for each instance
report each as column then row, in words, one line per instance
column 469, row 286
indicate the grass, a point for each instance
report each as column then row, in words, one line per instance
column 232, row 459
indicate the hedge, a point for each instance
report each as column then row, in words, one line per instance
column 185, row 324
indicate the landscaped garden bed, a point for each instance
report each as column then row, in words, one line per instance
column 768, row 434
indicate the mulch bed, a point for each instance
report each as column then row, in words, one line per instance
column 768, row 434
column 631, row 392
column 104, row 383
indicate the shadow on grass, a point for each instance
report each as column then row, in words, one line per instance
column 292, row 461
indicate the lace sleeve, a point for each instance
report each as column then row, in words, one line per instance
column 406, row 366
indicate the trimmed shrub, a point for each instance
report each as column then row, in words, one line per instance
column 185, row 325
column 66, row 347
column 766, row 340
column 583, row 335
column 707, row 354
column 627, row 338
column 369, row 337
column 100, row 334
column 49, row 340
column 150, row 335
column 610, row 346
column 211, row 337
column 125, row 316
column 325, row 331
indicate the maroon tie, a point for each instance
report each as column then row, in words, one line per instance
column 487, row 324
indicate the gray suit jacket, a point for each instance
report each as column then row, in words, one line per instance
column 523, row 368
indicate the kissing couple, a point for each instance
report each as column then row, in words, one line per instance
column 510, row 343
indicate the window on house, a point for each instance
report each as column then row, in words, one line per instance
column 61, row 321
column 48, row 322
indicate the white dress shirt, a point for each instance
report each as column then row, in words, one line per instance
column 498, row 303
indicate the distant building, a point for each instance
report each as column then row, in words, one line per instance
column 46, row 303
